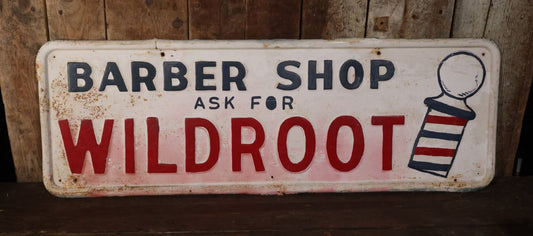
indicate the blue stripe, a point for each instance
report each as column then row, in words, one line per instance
column 429, row 166
column 438, row 135
column 445, row 108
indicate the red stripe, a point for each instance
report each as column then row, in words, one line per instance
column 443, row 152
column 446, row 120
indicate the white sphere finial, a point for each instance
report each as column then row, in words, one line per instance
column 461, row 74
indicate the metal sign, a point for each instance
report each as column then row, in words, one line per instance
column 267, row 117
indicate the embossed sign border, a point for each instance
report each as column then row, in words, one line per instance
column 267, row 116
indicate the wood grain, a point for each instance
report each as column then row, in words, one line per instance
column 409, row 19
column 470, row 18
column 76, row 19
column 333, row 19
column 22, row 32
column 273, row 19
column 146, row 19
column 510, row 25
column 217, row 19
column 503, row 208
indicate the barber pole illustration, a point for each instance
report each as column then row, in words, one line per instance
column 460, row 75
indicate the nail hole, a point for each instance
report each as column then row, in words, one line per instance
column 162, row 54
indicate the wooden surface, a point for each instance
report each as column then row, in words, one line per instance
column 409, row 19
column 22, row 32
column 503, row 208
column 510, row 25
column 273, row 19
column 217, row 19
column 146, row 19
column 76, row 19
column 329, row 19
column 470, row 18
column 25, row 24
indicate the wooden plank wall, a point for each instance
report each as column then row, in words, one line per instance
column 22, row 32
column 27, row 24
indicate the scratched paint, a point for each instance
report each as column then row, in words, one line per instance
column 415, row 62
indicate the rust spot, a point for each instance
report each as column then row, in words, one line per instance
column 461, row 184
column 376, row 51
column 90, row 101
column 381, row 23
column 132, row 100
column 59, row 104
column 282, row 189
column 265, row 45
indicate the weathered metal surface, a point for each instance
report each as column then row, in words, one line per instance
column 267, row 117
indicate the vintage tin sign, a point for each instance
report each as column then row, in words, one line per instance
column 267, row 117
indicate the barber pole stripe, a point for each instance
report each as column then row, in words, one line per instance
column 445, row 120
column 443, row 152
column 432, row 159
column 437, row 142
column 439, row 135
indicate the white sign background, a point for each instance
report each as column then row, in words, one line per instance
column 415, row 79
